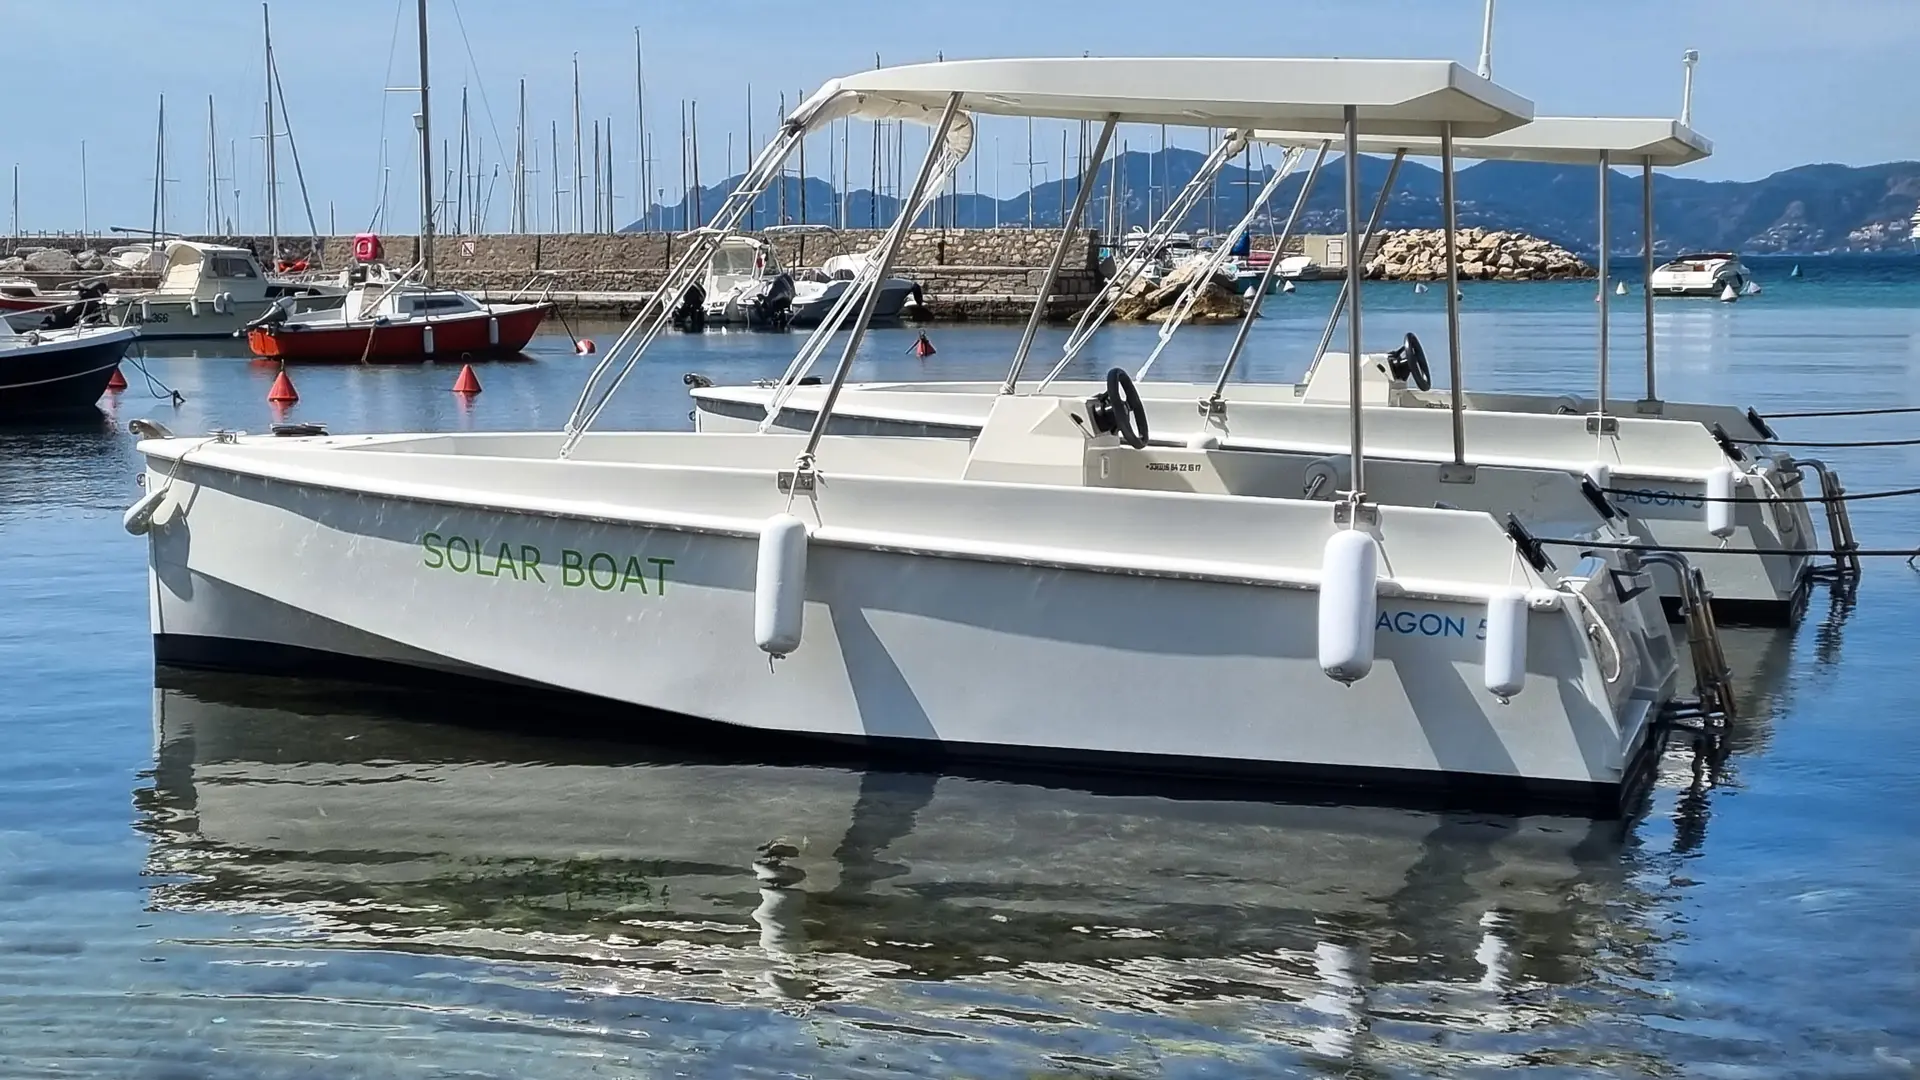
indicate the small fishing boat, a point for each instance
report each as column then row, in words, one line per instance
column 1709, row 275
column 211, row 290
column 400, row 320
column 58, row 370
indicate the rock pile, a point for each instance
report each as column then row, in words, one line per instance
column 1420, row 255
column 1217, row 301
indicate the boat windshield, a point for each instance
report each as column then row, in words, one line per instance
column 734, row 259
column 231, row 266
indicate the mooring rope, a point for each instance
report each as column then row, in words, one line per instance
column 1827, row 445
column 1843, row 412
column 139, row 365
column 1846, row 496
column 1909, row 554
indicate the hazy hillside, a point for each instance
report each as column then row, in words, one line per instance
column 1805, row 210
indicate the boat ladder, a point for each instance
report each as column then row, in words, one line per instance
column 1713, row 679
column 1846, row 564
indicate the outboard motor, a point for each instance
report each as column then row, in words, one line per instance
column 274, row 315
column 84, row 308
column 691, row 315
column 770, row 305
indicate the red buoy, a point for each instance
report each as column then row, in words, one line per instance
column 923, row 348
column 118, row 381
column 283, row 391
column 468, row 382
column 584, row 347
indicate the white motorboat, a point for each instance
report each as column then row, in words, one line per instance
column 1665, row 460
column 744, row 286
column 210, row 290
column 817, row 290
column 1712, row 274
column 1057, row 589
column 1298, row 268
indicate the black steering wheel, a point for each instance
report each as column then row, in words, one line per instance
column 1128, row 412
column 1409, row 362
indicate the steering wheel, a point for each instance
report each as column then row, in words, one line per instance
column 1129, row 413
column 1409, row 361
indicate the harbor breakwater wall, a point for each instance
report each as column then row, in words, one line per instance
column 963, row 273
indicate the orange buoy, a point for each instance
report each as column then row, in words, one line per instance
column 118, row 381
column 468, row 382
column 584, row 347
column 283, row 391
column 923, row 348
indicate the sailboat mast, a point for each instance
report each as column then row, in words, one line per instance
column 426, row 156
column 213, row 173
column 641, row 182
column 579, row 193
column 273, row 186
column 520, row 164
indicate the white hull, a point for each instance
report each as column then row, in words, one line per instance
column 811, row 310
column 946, row 618
column 1664, row 459
column 182, row 318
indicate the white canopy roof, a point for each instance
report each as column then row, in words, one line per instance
column 1409, row 98
column 1564, row 140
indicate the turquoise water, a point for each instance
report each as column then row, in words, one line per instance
column 221, row 876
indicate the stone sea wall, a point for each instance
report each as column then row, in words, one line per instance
column 963, row 273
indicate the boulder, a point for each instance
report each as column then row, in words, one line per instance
column 12, row 265
column 90, row 260
column 52, row 261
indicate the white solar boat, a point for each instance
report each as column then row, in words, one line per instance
column 1058, row 589
column 1664, row 461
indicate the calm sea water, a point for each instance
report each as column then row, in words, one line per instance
column 218, row 876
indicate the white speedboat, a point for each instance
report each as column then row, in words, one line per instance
column 817, row 290
column 1057, row 589
column 1712, row 275
column 1665, row 460
column 744, row 286
column 210, row 290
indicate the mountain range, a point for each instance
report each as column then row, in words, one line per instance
column 1812, row 209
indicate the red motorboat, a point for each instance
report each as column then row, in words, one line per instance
column 395, row 321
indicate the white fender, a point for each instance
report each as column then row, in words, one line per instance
column 780, row 584
column 193, row 306
column 223, row 303
column 146, row 310
column 493, row 331
column 1720, row 486
column 1506, row 659
column 1349, row 603
column 426, row 339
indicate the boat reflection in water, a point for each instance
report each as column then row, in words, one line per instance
column 1077, row 926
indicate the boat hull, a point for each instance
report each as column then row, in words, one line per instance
column 503, row 332
column 1664, row 508
column 935, row 653
column 59, row 376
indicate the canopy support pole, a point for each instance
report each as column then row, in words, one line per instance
column 1454, row 376
column 890, row 247
column 1346, row 286
column 1213, row 404
column 1601, row 273
column 1067, row 230
column 1352, row 116
column 1646, row 264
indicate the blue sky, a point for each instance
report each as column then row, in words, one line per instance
column 1781, row 82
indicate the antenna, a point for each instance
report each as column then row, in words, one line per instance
column 1486, row 43
column 1688, row 58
